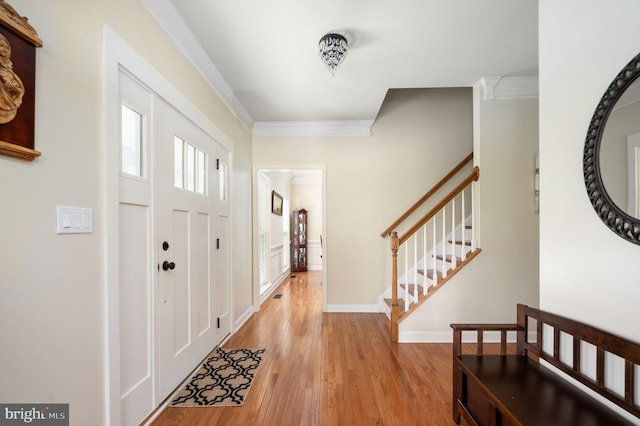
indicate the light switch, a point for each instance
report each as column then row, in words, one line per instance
column 74, row 220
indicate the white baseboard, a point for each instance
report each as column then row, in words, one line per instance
column 425, row 337
column 242, row 319
column 354, row 308
column 283, row 276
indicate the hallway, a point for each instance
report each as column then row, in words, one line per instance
column 330, row 369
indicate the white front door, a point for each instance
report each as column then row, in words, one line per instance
column 188, row 242
column 135, row 292
column 171, row 304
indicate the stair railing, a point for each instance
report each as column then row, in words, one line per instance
column 426, row 196
column 433, row 246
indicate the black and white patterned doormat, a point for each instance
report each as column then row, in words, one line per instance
column 224, row 379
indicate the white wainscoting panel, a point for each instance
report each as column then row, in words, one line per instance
column 314, row 255
column 278, row 270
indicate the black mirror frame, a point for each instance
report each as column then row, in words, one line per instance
column 614, row 217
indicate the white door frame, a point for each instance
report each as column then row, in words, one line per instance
column 118, row 54
column 325, row 237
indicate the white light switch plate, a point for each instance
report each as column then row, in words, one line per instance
column 74, row 220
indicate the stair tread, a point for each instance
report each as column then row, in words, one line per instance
column 411, row 287
column 448, row 258
column 461, row 242
column 429, row 273
column 400, row 303
column 421, row 296
column 431, row 289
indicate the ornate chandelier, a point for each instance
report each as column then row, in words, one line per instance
column 333, row 49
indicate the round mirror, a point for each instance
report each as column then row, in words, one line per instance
column 619, row 149
column 612, row 155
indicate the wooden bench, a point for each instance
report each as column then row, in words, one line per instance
column 518, row 389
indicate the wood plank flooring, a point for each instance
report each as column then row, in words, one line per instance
column 330, row 369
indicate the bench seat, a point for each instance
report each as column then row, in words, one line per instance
column 533, row 394
column 516, row 389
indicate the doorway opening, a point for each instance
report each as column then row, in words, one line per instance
column 279, row 192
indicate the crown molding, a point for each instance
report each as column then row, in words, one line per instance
column 172, row 23
column 497, row 88
column 306, row 181
column 313, row 128
column 306, row 177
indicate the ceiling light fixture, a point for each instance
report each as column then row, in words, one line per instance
column 333, row 49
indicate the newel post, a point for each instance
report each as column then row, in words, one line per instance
column 395, row 309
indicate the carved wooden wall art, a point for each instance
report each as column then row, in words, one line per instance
column 18, row 43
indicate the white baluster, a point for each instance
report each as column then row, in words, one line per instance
column 453, row 233
column 415, row 267
column 473, row 216
column 424, row 259
column 444, row 243
column 464, row 227
column 434, row 253
column 406, row 275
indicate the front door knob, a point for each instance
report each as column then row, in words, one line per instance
column 166, row 265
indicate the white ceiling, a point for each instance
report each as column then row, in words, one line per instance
column 262, row 55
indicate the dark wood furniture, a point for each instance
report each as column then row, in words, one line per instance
column 299, row 240
column 518, row 389
column 18, row 43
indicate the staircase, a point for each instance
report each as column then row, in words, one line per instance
column 432, row 250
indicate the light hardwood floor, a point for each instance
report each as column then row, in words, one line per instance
column 330, row 369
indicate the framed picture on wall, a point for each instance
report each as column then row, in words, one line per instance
column 276, row 203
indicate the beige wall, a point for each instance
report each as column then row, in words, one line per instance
column 366, row 192
column 506, row 271
column 417, row 138
column 52, row 308
column 586, row 271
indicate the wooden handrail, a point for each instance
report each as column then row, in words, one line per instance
column 474, row 176
column 426, row 196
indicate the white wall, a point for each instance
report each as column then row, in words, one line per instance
column 281, row 183
column 418, row 137
column 52, row 309
column 586, row 271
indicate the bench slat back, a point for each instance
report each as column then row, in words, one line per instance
column 563, row 330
